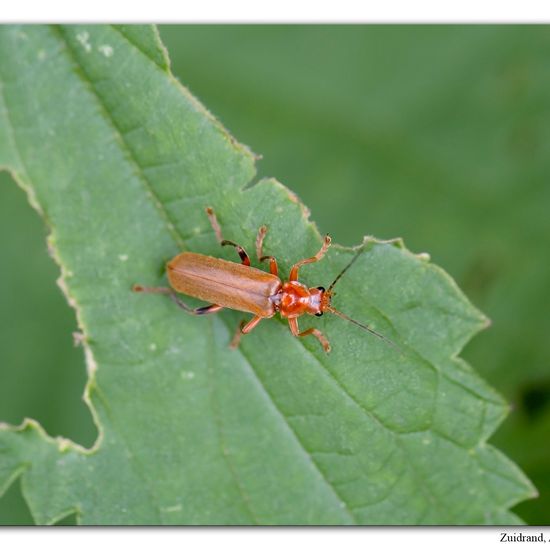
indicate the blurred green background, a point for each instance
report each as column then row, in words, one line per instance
column 437, row 134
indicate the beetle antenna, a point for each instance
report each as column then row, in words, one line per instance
column 364, row 327
column 344, row 270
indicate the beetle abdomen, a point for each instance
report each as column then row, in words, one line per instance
column 224, row 283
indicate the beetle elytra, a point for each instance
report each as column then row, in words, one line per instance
column 226, row 284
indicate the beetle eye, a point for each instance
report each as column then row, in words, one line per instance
column 320, row 314
column 321, row 288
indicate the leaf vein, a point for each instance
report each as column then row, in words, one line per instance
column 312, row 461
column 224, row 451
column 119, row 135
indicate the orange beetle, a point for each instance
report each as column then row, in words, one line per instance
column 244, row 288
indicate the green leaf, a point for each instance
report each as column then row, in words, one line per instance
column 121, row 161
column 442, row 138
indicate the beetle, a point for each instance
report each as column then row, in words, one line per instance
column 244, row 288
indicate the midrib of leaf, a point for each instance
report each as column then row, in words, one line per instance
column 224, row 451
column 311, row 461
column 180, row 243
column 119, row 135
column 370, row 414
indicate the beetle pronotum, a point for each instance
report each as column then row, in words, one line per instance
column 244, row 288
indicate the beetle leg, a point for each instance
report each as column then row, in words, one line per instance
column 240, row 250
column 203, row 310
column 294, row 271
column 214, row 223
column 293, row 324
column 244, row 328
column 224, row 242
column 273, row 268
column 152, row 289
column 260, row 242
column 234, row 344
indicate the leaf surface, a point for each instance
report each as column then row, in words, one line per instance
column 121, row 161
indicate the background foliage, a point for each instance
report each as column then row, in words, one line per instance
column 436, row 134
